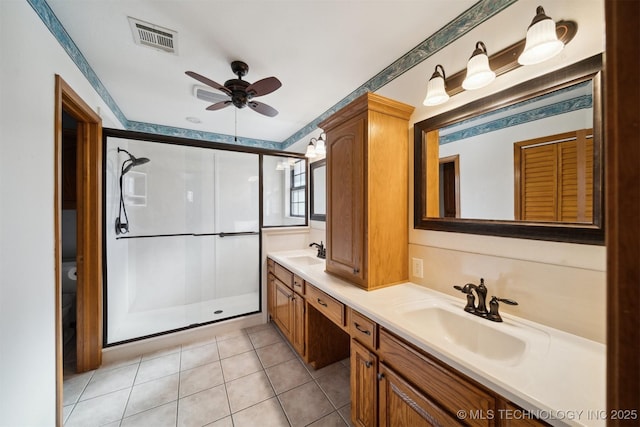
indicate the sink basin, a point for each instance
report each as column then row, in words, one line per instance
column 465, row 331
column 305, row 260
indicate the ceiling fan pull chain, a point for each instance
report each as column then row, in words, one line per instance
column 235, row 131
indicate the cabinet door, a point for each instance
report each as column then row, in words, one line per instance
column 271, row 295
column 346, row 200
column 298, row 335
column 283, row 308
column 364, row 367
column 401, row 405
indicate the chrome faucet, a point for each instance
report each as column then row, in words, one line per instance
column 481, row 308
column 322, row 251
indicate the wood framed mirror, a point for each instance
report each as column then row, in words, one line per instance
column 529, row 161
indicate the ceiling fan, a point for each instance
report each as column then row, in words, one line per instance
column 241, row 92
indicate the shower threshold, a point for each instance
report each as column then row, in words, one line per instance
column 135, row 325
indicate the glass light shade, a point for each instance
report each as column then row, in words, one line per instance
column 436, row 94
column 311, row 151
column 320, row 147
column 478, row 72
column 542, row 43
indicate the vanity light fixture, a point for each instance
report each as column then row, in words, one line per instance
column 479, row 74
column 316, row 147
column 509, row 58
column 436, row 93
column 542, row 41
column 311, row 150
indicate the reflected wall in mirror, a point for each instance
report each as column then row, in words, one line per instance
column 284, row 191
column 525, row 162
column 318, row 190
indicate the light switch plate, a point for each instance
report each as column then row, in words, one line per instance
column 417, row 268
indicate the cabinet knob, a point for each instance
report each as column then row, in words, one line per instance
column 367, row 363
column 380, row 376
column 356, row 270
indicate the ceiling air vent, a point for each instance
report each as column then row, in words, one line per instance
column 154, row 36
column 204, row 93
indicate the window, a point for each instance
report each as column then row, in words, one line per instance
column 298, row 189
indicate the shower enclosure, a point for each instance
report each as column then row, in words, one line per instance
column 190, row 253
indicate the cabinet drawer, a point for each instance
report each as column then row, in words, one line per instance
column 298, row 284
column 447, row 388
column 284, row 275
column 332, row 308
column 363, row 329
column 270, row 265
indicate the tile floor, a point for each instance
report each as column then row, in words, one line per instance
column 251, row 377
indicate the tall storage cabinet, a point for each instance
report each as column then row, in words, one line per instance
column 367, row 191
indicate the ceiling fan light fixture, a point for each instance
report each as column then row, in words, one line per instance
column 436, row 92
column 479, row 74
column 542, row 40
column 240, row 93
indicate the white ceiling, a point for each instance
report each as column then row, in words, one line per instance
column 321, row 50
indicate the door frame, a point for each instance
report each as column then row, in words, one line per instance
column 89, row 233
column 622, row 116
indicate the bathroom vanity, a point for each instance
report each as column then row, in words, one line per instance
column 417, row 358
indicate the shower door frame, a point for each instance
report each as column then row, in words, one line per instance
column 164, row 139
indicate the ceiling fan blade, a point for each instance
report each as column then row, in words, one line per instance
column 208, row 82
column 219, row 105
column 264, row 86
column 261, row 108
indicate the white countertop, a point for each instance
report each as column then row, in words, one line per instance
column 560, row 377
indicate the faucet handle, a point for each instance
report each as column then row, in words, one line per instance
column 504, row 300
column 494, row 306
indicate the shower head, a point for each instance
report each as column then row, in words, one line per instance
column 122, row 221
column 133, row 161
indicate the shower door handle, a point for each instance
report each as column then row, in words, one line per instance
column 237, row 233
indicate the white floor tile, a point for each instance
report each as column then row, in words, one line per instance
column 100, row 410
column 152, row 394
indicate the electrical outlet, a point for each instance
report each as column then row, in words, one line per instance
column 417, row 268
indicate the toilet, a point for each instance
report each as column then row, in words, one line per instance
column 69, row 286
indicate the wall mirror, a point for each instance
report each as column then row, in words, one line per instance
column 318, row 199
column 525, row 162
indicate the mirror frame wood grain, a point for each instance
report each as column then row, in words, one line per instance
column 593, row 234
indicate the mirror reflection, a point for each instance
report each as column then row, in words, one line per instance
column 318, row 175
column 524, row 162
column 284, row 188
column 529, row 161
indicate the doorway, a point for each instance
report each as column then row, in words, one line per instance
column 88, row 227
column 449, row 180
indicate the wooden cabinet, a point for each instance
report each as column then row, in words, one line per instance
column 393, row 383
column 363, row 329
column 442, row 387
column 401, row 404
column 284, row 312
column 333, row 309
column 286, row 307
column 298, row 334
column 367, row 191
column 364, row 386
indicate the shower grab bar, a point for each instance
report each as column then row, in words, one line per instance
column 223, row 234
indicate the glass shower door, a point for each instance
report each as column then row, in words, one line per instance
column 191, row 255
